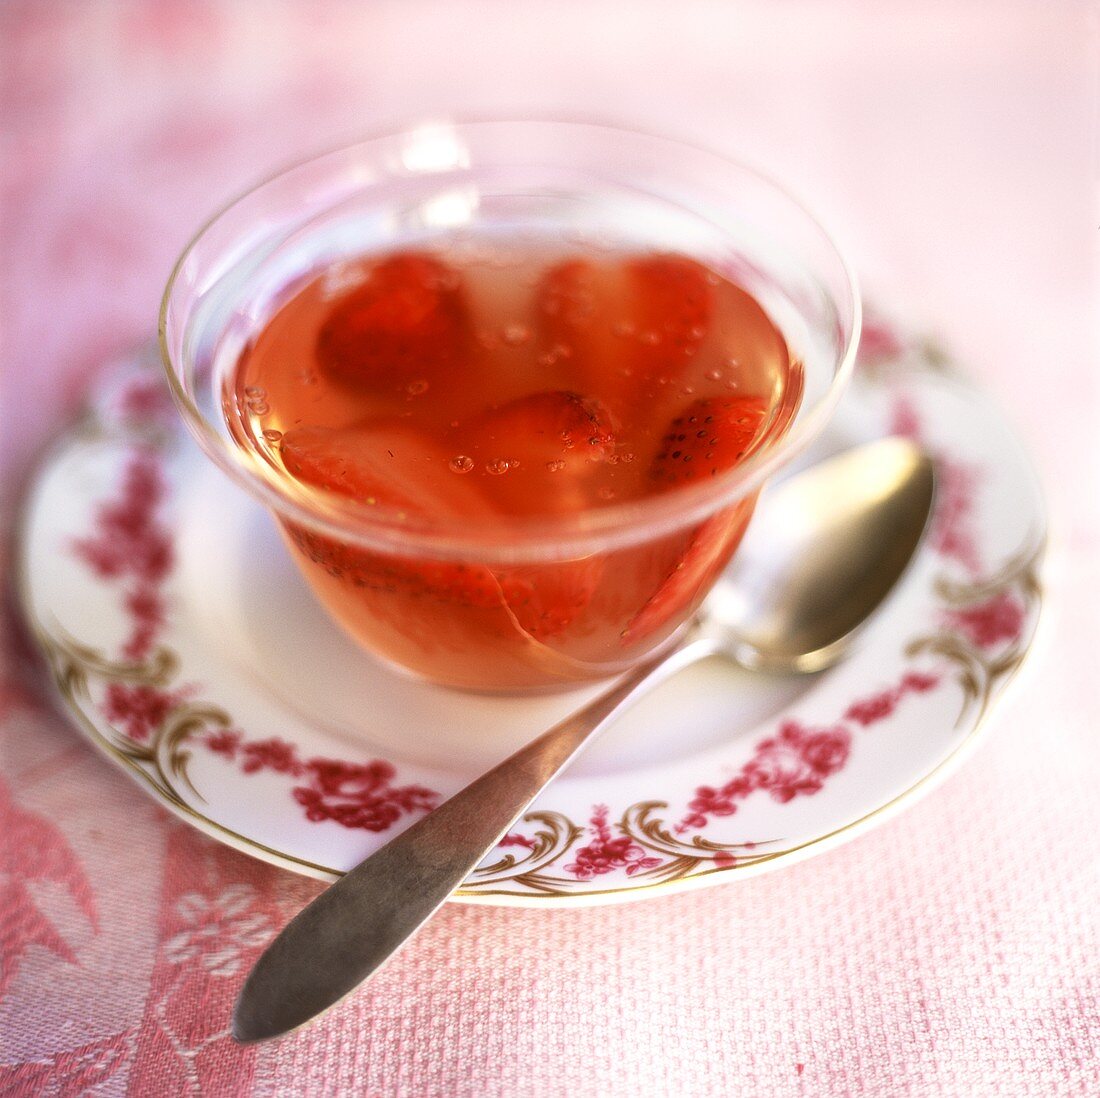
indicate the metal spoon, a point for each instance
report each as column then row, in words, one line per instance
column 825, row 549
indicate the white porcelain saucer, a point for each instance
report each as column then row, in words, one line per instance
column 185, row 646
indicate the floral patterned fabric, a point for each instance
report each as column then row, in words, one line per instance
column 952, row 951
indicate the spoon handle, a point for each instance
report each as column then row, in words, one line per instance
column 355, row 925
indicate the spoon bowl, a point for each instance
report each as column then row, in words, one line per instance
column 849, row 525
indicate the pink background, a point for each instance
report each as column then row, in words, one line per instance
column 954, row 950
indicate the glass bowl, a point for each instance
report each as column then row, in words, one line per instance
column 543, row 602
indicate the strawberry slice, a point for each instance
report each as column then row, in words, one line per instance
column 384, row 464
column 573, row 307
column 673, row 306
column 535, row 453
column 408, row 320
column 709, row 547
column 542, row 600
column 362, row 569
column 397, row 469
column 547, row 599
column 553, row 442
column 707, row 438
column 627, row 328
column 548, row 426
column 566, row 297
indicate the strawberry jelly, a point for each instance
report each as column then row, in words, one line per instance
column 472, row 389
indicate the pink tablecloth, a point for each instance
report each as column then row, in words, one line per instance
column 953, row 951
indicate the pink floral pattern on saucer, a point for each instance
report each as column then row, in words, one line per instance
column 109, row 596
